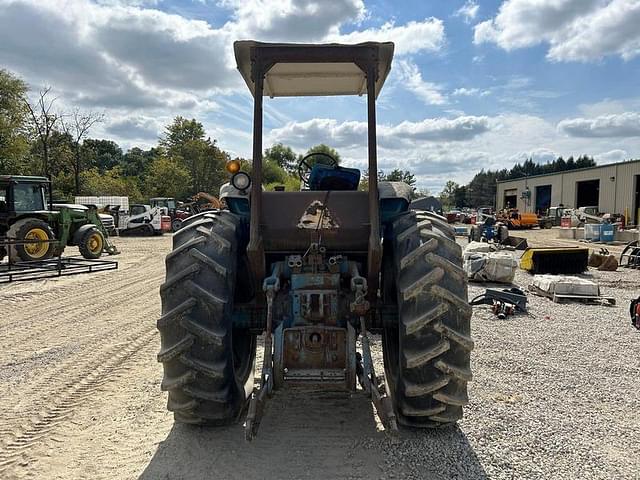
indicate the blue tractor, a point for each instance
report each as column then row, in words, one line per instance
column 312, row 271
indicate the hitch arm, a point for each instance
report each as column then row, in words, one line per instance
column 366, row 374
column 259, row 396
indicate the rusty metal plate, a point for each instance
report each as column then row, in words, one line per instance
column 315, row 348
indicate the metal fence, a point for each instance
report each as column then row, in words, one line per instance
column 58, row 266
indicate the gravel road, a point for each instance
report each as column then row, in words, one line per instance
column 555, row 394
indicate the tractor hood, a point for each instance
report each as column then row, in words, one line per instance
column 71, row 206
column 313, row 70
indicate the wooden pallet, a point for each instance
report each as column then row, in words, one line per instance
column 595, row 299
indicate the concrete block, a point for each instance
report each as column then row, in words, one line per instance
column 627, row 236
column 567, row 233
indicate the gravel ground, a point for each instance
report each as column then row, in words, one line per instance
column 555, row 394
column 556, row 391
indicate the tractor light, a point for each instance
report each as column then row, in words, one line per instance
column 233, row 166
column 241, row 181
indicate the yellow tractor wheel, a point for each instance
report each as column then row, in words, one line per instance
column 91, row 244
column 37, row 230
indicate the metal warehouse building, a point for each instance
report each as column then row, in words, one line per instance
column 613, row 188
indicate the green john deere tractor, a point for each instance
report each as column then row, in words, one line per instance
column 27, row 213
column 313, row 270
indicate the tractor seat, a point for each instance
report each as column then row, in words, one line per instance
column 325, row 177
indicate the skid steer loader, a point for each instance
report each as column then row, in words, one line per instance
column 313, row 270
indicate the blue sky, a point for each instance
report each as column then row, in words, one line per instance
column 474, row 84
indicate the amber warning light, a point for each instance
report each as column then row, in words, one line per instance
column 233, row 166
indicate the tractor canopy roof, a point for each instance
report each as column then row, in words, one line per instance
column 296, row 70
column 6, row 179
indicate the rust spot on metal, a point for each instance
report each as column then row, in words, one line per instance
column 317, row 217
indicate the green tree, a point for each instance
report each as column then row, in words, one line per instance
column 184, row 140
column 283, row 155
column 448, row 194
column 77, row 126
column 322, row 148
column 291, row 184
column 273, row 173
column 398, row 175
column 182, row 131
column 44, row 121
column 395, row 175
column 60, row 151
column 167, row 177
column 460, row 196
column 102, row 154
column 111, row 182
column 422, row 192
column 135, row 161
column 585, row 162
column 63, row 184
column 61, row 158
column 14, row 118
column 481, row 190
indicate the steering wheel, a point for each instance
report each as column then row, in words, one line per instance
column 305, row 165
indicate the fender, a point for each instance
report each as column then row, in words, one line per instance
column 78, row 233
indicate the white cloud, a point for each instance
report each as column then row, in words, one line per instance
column 615, row 125
column 320, row 130
column 354, row 134
column 134, row 128
column 612, row 156
column 123, row 54
column 114, row 57
column 609, row 106
column 440, row 129
column 468, row 12
column 133, row 3
column 411, row 78
column 612, row 30
column 292, row 20
column 413, row 37
column 442, row 149
column 523, row 23
column 575, row 30
column 470, row 92
column 538, row 155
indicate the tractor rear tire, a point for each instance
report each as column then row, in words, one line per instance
column 31, row 228
column 91, row 244
column 208, row 366
column 427, row 354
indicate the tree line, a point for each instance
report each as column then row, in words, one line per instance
column 481, row 190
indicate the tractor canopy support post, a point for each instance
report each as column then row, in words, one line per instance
column 256, row 62
column 255, row 250
column 375, row 249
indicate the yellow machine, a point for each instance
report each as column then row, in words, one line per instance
column 555, row 260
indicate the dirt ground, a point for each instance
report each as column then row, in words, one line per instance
column 81, row 396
